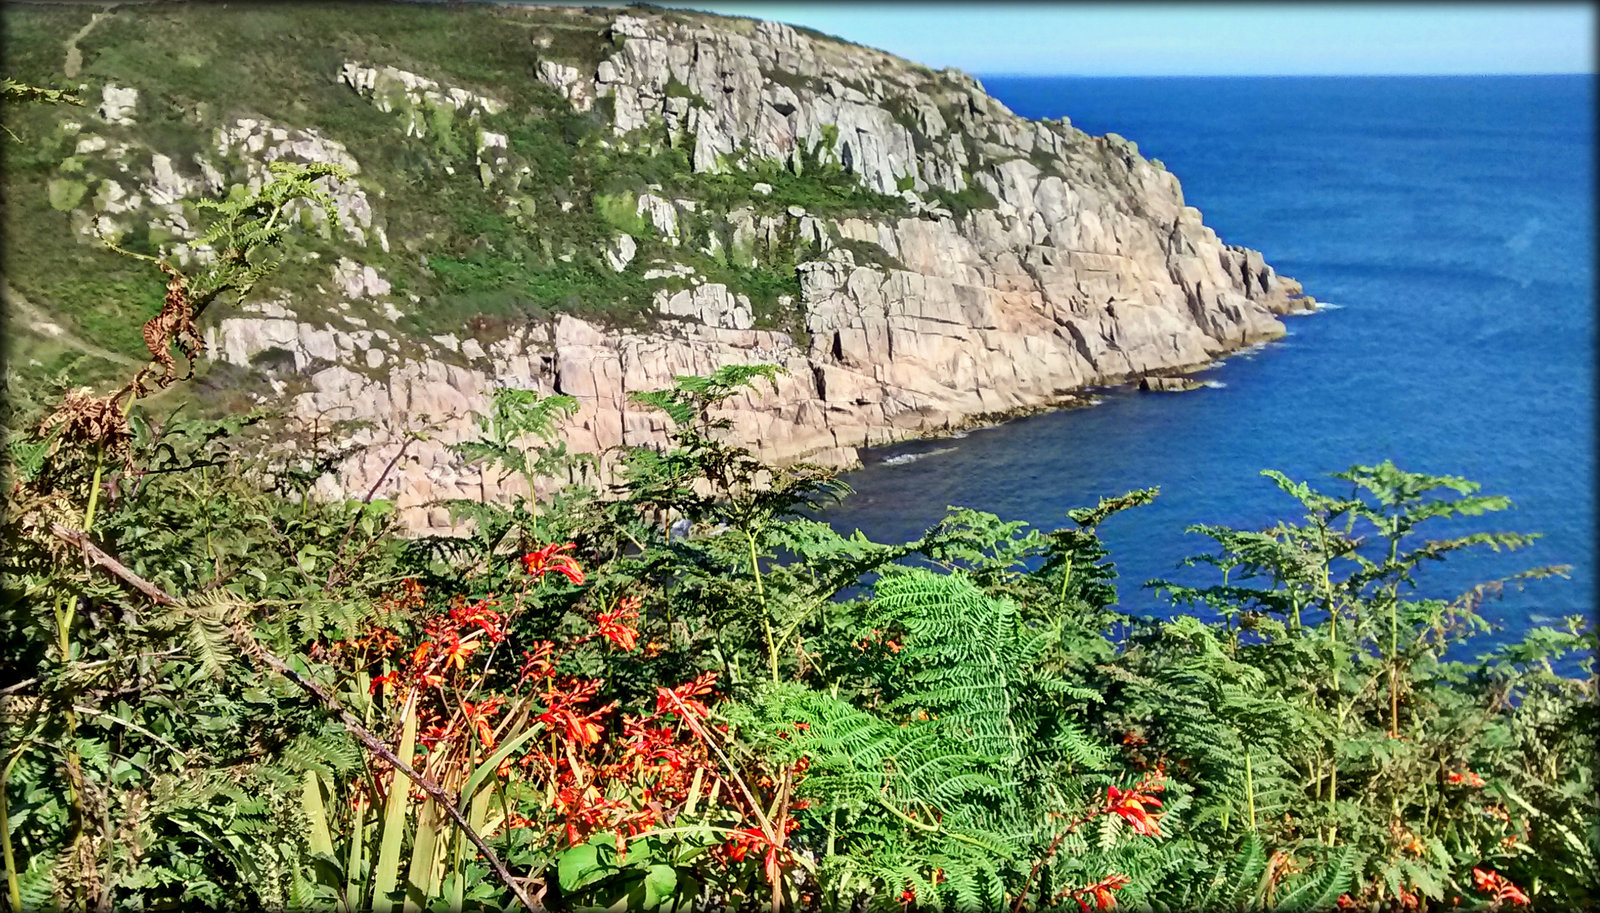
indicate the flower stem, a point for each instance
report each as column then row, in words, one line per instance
column 766, row 617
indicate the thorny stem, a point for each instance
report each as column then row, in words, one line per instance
column 1072, row 827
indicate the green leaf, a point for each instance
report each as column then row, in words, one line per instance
column 659, row 884
column 387, row 873
column 579, row 867
column 488, row 767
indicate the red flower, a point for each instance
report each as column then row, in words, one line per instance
column 479, row 614
column 536, row 663
column 383, row 681
column 478, row 715
column 681, row 700
column 1491, row 882
column 583, row 728
column 743, row 841
column 421, row 652
column 1130, row 806
column 614, row 625
column 747, row 839
column 1101, row 892
column 551, row 558
column 1467, row 777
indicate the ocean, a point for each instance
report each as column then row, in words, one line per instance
column 1449, row 223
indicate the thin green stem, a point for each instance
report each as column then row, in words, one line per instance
column 931, row 828
column 13, row 884
column 1249, row 789
column 1333, row 659
column 94, row 487
column 1066, row 576
column 766, row 616
column 1394, row 645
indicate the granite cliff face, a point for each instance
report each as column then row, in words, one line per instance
column 1068, row 261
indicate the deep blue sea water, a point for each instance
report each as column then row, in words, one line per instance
column 1450, row 220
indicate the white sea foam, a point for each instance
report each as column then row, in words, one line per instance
column 1251, row 351
column 900, row 459
column 1213, row 384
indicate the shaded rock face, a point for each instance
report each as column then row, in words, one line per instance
column 1088, row 268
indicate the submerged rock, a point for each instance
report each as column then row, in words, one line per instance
column 1169, row 384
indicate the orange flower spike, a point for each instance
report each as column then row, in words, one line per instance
column 1130, row 806
column 680, row 700
column 740, row 843
column 421, row 652
column 1491, row 882
column 481, row 616
column 553, row 559
column 459, row 651
column 1102, row 892
column 615, row 628
column 478, row 715
column 537, row 662
column 1511, row 892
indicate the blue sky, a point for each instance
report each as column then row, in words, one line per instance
column 1201, row 39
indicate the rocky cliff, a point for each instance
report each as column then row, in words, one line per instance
column 946, row 262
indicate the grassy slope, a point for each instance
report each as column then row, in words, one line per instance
column 474, row 256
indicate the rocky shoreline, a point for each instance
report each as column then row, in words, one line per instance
column 1078, row 265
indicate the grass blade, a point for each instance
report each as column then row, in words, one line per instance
column 387, row 872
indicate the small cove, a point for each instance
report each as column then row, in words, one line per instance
column 1446, row 220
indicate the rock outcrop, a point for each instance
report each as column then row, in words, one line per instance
column 1023, row 260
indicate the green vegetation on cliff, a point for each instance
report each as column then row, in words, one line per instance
column 526, row 243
